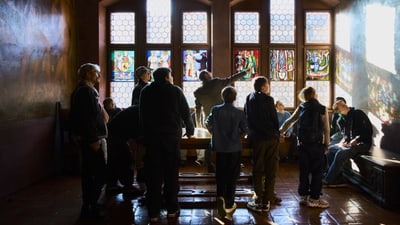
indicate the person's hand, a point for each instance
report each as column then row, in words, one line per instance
column 326, row 150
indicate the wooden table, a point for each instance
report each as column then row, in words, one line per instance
column 202, row 140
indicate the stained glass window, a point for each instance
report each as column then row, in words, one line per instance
column 247, row 58
column 158, row 58
column 158, row 21
column 317, row 64
column 282, row 64
column 247, row 27
column 122, row 28
column 194, row 27
column 318, row 27
column 194, row 61
column 122, row 65
column 282, row 21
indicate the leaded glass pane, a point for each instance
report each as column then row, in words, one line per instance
column 243, row 89
column 194, row 61
column 158, row 21
column 282, row 21
column 188, row 88
column 194, row 27
column 317, row 64
column 121, row 92
column 282, row 64
column 122, row 65
column 158, row 58
column 247, row 27
column 122, row 29
column 318, row 27
column 247, row 58
column 284, row 92
column 322, row 89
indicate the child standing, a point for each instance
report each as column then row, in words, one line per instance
column 313, row 135
column 227, row 124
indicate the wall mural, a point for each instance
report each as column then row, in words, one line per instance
column 35, row 41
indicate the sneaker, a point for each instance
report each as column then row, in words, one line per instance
column 231, row 210
column 221, row 207
column 254, row 206
column 266, row 207
column 303, row 200
column 317, row 203
column 173, row 214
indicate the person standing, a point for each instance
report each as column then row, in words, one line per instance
column 143, row 76
column 88, row 127
column 227, row 124
column 162, row 109
column 263, row 137
column 206, row 97
column 313, row 137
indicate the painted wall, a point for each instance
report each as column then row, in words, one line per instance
column 36, row 53
column 367, row 45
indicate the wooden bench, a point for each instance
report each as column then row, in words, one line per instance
column 377, row 175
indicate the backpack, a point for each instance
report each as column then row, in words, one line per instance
column 310, row 125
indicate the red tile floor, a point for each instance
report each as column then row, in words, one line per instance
column 57, row 201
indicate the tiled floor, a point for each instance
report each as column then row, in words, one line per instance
column 57, row 202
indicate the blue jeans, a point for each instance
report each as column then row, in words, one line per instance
column 338, row 156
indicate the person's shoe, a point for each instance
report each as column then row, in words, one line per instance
column 221, row 207
column 303, row 200
column 317, row 203
column 231, row 210
column 266, row 207
column 254, row 206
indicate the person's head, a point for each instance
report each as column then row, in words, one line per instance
column 143, row 73
column 162, row 75
column 260, row 84
column 228, row 94
column 108, row 103
column 307, row 94
column 89, row 73
column 340, row 99
column 340, row 107
column 205, row 75
column 279, row 106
